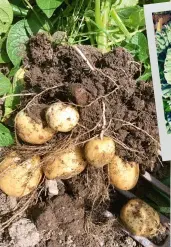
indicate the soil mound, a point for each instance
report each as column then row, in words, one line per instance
column 106, row 93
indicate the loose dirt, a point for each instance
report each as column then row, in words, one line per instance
column 105, row 91
column 110, row 101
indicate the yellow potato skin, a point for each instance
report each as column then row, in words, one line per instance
column 18, row 179
column 139, row 218
column 64, row 165
column 123, row 175
column 30, row 131
column 100, row 152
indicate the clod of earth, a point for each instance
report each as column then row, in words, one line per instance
column 24, row 233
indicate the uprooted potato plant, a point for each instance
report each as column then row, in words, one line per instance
column 80, row 111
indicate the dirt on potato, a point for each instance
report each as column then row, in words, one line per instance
column 106, row 93
column 109, row 99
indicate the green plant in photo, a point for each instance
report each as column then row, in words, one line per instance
column 105, row 24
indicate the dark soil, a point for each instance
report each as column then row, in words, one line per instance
column 112, row 83
column 77, row 217
column 68, row 221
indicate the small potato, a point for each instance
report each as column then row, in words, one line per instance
column 123, row 175
column 62, row 117
column 64, row 165
column 140, row 218
column 19, row 179
column 30, row 131
column 99, row 152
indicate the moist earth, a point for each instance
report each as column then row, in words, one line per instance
column 105, row 91
column 108, row 97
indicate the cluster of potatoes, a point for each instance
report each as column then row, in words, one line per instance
column 19, row 178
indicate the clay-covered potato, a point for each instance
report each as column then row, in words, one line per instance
column 65, row 164
column 62, row 117
column 99, row 152
column 19, row 179
column 30, row 131
column 139, row 218
column 123, row 175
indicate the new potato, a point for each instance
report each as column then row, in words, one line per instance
column 123, row 175
column 30, row 131
column 139, row 218
column 18, row 179
column 62, row 117
column 99, row 152
column 64, row 165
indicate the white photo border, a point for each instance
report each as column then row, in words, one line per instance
column 165, row 138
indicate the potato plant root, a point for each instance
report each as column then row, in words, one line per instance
column 104, row 90
column 110, row 102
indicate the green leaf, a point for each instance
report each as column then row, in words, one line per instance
column 140, row 41
column 145, row 76
column 137, row 19
column 167, row 106
column 13, row 71
column 3, row 53
column 16, row 88
column 132, row 48
column 49, row 6
column 4, row 84
column 6, row 16
column 19, row 3
column 124, row 13
column 6, row 138
column 37, row 22
column 18, row 11
column 125, row 3
column 166, row 90
column 132, row 17
column 16, row 42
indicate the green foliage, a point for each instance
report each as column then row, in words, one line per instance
column 19, row 11
column 104, row 24
column 3, row 53
column 125, row 3
column 37, row 22
column 48, row 6
column 16, row 42
column 6, row 16
column 6, row 138
column 17, row 86
column 138, row 46
column 133, row 17
column 5, row 84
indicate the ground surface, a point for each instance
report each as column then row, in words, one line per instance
column 108, row 99
column 130, row 116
